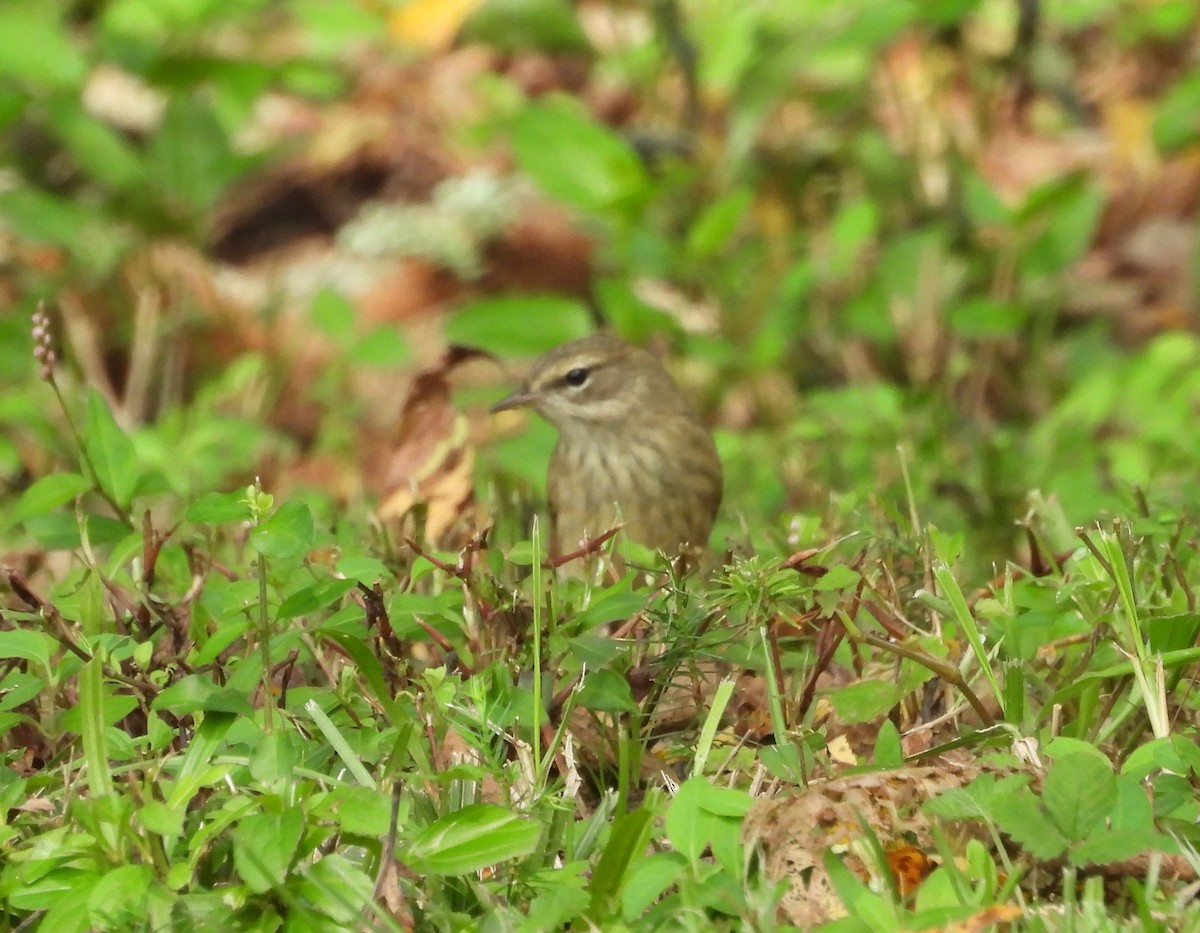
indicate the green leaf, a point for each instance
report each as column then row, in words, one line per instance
column 159, row 818
column 287, row 533
column 119, row 895
column 1022, row 817
column 383, row 347
column 36, row 49
column 362, row 568
column 606, row 691
column 198, row 768
column 217, row 508
column 95, row 241
column 701, row 815
column 339, row 888
column 987, row 318
column 575, row 159
column 1078, row 794
column 264, row 845
column 194, row 693
column 865, row 700
column 521, row 25
column 626, row 841
column 470, row 839
column 1117, row 845
column 110, row 451
column 272, row 759
column 53, row 890
column 334, row 315
column 1068, row 210
column 371, row 670
column 1177, row 117
column 855, row 226
column 96, row 147
column 648, row 879
column 47, row 494
column 889, row 753
column 189, row 159
column 715, row 227
column 488, row 324
column 27, row 645
column 362, row 811
column 684, row 821
column 314, row 597
column 562, row 898
column 616, row 605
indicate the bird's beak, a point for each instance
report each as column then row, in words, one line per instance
column 522, row 398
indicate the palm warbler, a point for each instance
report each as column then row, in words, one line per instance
column 630, row 448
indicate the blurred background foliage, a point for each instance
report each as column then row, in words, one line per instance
column 918, row 261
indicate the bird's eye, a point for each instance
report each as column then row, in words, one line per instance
column 576, row 377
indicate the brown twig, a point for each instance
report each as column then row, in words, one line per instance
column 587, row 547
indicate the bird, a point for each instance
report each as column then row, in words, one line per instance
column 630, row 449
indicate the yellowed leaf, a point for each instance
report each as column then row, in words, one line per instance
column 430, row 24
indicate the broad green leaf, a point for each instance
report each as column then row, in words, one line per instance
column 362, row 811
column 265, row 845
column 119, row 895
column 198, row 768
column 28, row 645
column 272, row 759
column 470, row 839
column 96, row 241
column 889, row 753
column 616, row 605
column 865, row 700
column 607, row 691
column 384, row 347
column 721, row 801
column 562, row 898
column 701, row 816
column 96, row 146
column 58, row 892
column 217, row 508
column 716, row 225
column 987, row 318
column 363, row 568
column 626, row 842
column 190, row 160
column 157, row 817
column 37, row 50
column 19, row 687
column 194, row 693
column 287, row 533
column 110, row 451
column 1177, row 116
column 518, row 26
column 47, row 494
column 334, row 315
column 854, row 228
column 339, row 888
column 575, row 159
column 314, row 597
column 489, row 324
column 1078, row 794
column 647, row 880
column 1117, row 845
column 1022, row 817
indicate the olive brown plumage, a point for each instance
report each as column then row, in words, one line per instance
column 630, row 447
